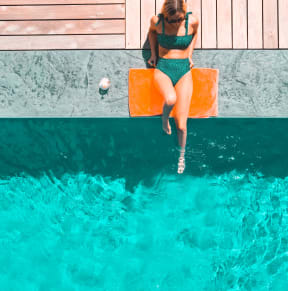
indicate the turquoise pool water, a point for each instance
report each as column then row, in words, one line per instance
column 97, row 204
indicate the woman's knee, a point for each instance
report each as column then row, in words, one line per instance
column 170, row 100
column 181, row 125
column 182, row 128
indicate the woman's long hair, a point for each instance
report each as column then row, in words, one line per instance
column 170, row 7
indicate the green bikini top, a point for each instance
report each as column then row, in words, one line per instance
column 174, row 41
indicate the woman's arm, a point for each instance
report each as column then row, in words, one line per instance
column 195, row 24
column 152, row 35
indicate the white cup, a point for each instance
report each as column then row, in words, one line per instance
column 104, row 83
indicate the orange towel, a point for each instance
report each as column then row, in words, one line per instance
column 145, row 99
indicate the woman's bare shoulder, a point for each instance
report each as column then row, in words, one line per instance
column 153, row 20
column 194, row 21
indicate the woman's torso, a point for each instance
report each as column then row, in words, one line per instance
column 179, row 31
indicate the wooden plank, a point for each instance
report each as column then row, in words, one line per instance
column 45, row 2
column 270, row 29
column 62, row 27
column 209, row 24
column 159, row 4
column 195, row 7
column 62, row 12
column 224, row 24
column 62, row 42
column 147, row 11
column 239, row 12
column 133, row 17
column 283, row 24
column 255, row 32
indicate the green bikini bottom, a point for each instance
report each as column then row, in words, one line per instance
column 173, row 68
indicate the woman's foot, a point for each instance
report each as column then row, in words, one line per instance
column 181, row 159
column 166, row 125
column 181, row 165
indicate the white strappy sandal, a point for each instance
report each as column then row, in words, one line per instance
column 181, row 165
column 181, row 160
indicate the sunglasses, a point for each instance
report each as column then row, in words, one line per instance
column 174, row 20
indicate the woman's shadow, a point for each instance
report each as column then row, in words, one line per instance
column 146, row 52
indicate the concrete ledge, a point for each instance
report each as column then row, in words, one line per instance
column 64, row 83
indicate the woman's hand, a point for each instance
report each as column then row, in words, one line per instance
column 191, row 62
column 152, row 61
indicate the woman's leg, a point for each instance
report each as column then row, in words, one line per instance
column 164, row 85
column 184, row 88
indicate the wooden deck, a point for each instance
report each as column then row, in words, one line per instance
column 124, row 24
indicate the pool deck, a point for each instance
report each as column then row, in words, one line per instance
column 64, row 83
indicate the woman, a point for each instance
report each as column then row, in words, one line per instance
column 176, row 34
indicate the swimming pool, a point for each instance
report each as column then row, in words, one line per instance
column 97, row 204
